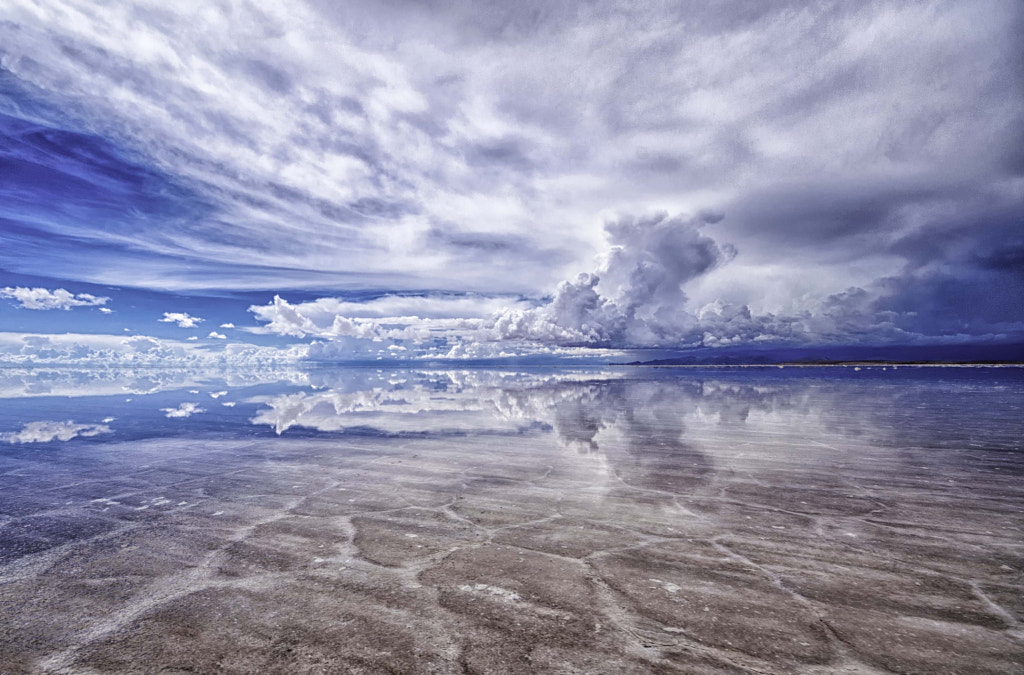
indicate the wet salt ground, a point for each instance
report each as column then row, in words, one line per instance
column 626, row 521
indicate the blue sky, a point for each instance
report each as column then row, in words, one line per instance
column 396, row 180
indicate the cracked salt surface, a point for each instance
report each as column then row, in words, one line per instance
column 503, row 593
column 599, row 522
column 667, row 585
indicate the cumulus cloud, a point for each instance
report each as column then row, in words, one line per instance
column 29, row 349
column 46, row 431
column 186, row 409
column 217, row 336
column 42, row 298
column 227, row 325
column 48, row 380
column 183, row 319
column 636, row 297
column 418, row 319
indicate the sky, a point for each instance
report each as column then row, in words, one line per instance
column 264, row 182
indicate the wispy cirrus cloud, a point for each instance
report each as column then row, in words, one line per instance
column 385, row 160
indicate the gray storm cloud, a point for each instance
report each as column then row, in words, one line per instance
column 635, row 297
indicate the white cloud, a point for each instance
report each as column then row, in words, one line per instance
column 634, row 299
column 42, row 298
column 34, row 349
column 218, row 336
column 46, row 431
column 106, row 310
column 473, row 148
column 186, row 409
column 425, row 402
column 227, row 325
column 183, row 319
column 389, row 317
column 18, row 382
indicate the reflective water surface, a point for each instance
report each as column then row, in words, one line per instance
column 487, row 521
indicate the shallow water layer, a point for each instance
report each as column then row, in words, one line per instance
column 616, row 521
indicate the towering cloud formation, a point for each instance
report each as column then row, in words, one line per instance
column 636, row 296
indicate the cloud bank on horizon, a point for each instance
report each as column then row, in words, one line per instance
column 487, row 179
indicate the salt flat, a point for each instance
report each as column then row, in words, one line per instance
column 620, row 521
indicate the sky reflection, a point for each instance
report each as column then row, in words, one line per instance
column 586, row 411
column 879, row 495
